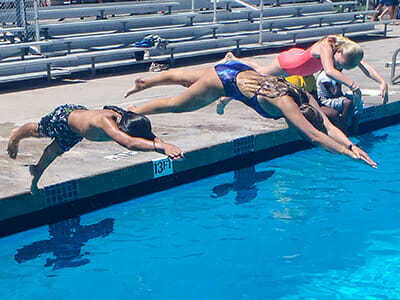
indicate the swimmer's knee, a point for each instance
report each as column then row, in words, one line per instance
column 332, row 114
column 347, row 101
column 131, row 108
column 174, row 75
column 32, row 128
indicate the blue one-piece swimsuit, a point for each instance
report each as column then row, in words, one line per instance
column 228, row 72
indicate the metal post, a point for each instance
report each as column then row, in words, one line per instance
column 36, row 13
column 49, row 71
column 393, row 67
column 21, row 17
column 93, row 67
column 193, row 6
column 18, row 12
column 215, row 12
column 260, row 37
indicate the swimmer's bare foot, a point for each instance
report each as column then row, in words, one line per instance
column 220, row 108
column 221, row 103
column 138, row 86
column 228, row 57
column 12, row 147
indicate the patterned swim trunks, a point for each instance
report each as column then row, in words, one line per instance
column 55, row 125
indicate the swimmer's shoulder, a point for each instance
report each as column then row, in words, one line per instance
column 317, row 46
column 92, row 117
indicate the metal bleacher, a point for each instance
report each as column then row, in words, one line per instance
column 99, row 11
column 106, row 38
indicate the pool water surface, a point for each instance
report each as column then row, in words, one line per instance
column 311, row 225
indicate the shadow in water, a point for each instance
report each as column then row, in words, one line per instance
column 243, row 184
column 67, row 239
column 368, row 140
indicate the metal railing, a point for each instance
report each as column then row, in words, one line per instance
column 245, row 4
column 260, row 9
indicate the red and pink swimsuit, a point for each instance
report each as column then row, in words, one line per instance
column 296, row 61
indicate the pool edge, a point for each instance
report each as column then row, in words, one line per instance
column 70, row 198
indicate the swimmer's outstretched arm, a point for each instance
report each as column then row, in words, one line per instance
column 292, row 113
column 171, row 150
column 372, row 73
column 51, row 152
column 136, row 143
column 338, row 135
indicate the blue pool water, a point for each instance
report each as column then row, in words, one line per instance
column 311, row 225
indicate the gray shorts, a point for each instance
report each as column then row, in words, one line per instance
column 337, row 104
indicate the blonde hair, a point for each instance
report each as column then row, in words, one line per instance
column 352, row 52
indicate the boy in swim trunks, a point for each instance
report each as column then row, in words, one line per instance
column 68, row 124
column 345, row 109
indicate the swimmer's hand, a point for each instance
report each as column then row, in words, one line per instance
column 172, row 151
column 357, row 153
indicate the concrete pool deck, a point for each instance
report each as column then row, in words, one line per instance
column 208, row 140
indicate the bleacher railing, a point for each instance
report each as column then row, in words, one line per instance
column 248, row 5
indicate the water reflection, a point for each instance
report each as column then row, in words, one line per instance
column 243, row 184
column 67, row 239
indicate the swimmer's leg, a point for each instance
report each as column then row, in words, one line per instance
column 203, row 92
column 273, row 69
column 248, row 61
column 171, row 77
column 49, row 154
column 25, row 131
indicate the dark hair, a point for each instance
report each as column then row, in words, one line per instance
column 133, row 124
column 297, row 93
column 313, row 116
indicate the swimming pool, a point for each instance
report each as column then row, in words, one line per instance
column 311, row 225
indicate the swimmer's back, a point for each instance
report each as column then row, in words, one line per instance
column 90, row 124
column 296, row 61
